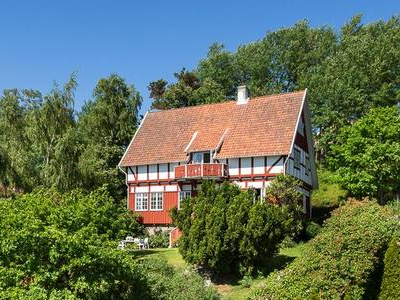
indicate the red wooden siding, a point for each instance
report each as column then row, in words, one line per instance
column 170, row 200
column 131, row 201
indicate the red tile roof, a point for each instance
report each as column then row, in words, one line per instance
column 264, row 126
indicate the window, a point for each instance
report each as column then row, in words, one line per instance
column 156, row 201
column 183, row 195
column 297, row 158
column 141, row 201
column 201, row 157
column 197, row 158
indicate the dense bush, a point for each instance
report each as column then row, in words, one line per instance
column 311, row 229
column 159, row 239
column 55, row 246
column 391, row 278
column 339, row 261
column 165, row 283
column 224, row 231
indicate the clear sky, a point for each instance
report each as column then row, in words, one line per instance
column 44, row 41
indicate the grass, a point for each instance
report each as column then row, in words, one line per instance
column 230, row 288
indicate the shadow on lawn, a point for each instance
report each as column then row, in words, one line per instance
column 278, row 262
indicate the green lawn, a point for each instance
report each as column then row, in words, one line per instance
column 229, row 288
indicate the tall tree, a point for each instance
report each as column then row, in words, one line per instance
column 367, row 155
column 363, row 73
column 107, row 124
column 49, row 119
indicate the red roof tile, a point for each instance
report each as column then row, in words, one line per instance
column 264, row 126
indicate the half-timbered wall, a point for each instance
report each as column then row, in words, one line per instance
column 299, row 167
column 245, row 167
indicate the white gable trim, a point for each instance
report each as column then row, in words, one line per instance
column 310, row 143
column 191, row 141
column 126, row 151
column 295, row 129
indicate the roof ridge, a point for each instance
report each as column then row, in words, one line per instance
column 227, row 101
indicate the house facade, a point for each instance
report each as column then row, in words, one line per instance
column 247, row 142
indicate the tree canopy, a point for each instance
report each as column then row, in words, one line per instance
column 367, row 155
column 347, row 72
column 46, row 142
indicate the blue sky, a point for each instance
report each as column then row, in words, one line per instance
column 44, row 41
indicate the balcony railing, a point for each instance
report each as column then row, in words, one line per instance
column 200, row 170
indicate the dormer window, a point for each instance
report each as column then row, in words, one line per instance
column 201, row 158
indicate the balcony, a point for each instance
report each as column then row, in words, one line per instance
column 201, row 171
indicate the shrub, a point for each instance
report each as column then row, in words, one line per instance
column 165, row 283
column 159, row 239
column 339, row 261
column 55, row 246
column 224, row 231
column 391, row 277
column 311, row 229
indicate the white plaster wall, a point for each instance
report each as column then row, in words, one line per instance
column 171, row 188
column 255, row 184
column 299, row 173
column 141, row 189
column 131, row 176
column 278, row 168
column 163, row 171
column 245, row 166
column 259, row 167
column 152, row 172
column 156, row 188
column 142, row 172
column 240, row 184
column 233, row 166
column 172, row 170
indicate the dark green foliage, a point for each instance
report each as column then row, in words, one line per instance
column 340, row 262
column 311, row 229
column 391, row 277
column 225, row 231
column 44, row 143
column 159, row 239
column 347, row 73
column 107, row 124
column 367, row 155
column 54, row 245
column 64, row 246
column 283, row 190
column 165, row 283
column 329, row 192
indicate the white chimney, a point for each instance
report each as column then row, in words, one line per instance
column 242, row 94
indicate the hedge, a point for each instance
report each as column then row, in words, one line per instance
column 390, row 289
column 340, row 261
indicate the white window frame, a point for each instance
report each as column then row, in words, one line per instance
column 183, row 195
column 202, row 157
column 156, row 201
column 141, row 202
